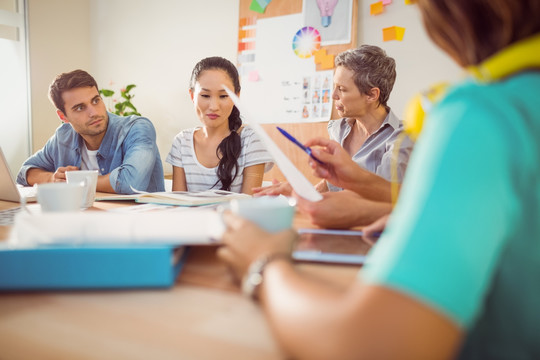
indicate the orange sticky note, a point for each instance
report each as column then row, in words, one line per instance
column 393, row 33
column 400, row 32
column 409, row 2
column 327, row 62
column 376, row 8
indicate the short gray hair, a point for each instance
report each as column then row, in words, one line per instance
column 372, row 68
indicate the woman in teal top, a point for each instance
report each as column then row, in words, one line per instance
column 456, row 273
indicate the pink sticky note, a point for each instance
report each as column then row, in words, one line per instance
column 386, row 2
column 253, row 76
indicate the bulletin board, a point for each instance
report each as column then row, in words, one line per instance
column 266, row 82
column 290, row 7
column 263, row 88
column 286, row 56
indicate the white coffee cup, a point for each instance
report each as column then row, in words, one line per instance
column 89, row 179
column 60, row 196
column 272, row 213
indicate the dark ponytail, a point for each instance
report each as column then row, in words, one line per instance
column 228, row 151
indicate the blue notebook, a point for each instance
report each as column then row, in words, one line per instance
column 65, row 267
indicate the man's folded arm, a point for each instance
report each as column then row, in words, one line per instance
column 140, row 154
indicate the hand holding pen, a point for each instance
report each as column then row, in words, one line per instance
column 299, row 144
column 334, row 163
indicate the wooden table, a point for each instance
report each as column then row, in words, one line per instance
column 203, row 316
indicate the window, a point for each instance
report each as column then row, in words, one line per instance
column 14, row 89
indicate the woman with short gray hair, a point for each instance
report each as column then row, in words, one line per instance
column 368, row 129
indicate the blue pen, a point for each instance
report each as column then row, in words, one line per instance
column 305, row 148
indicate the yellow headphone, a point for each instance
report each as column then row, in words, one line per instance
column 522, row 55
column 419, row 105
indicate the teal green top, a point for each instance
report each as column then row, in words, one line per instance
column 464, row 237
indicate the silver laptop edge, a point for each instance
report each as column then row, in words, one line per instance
column 8, row 188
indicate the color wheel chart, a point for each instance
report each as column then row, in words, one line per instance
column 306, row 41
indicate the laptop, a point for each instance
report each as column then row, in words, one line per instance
column 9, row 190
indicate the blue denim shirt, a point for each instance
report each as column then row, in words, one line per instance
column 128, row 153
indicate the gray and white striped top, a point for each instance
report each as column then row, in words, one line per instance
column 199, row 177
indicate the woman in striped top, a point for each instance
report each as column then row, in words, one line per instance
column 222, row 154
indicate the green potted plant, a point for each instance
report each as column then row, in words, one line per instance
column 124, row 106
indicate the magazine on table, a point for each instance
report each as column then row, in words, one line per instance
column 179, row 198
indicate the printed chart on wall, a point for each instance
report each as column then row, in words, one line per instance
column 286, row 61
column 307, row 98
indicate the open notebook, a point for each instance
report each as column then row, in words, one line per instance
column 298, row 181
column 179, row 198
column 9, row 190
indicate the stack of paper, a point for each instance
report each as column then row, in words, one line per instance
column 197, row 226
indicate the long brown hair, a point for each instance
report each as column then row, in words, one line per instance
column 470, row 31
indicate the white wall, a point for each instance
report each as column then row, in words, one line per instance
column 59, row 41
column 419, row 63
column 155, row 44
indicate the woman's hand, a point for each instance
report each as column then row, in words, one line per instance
column 277, row 188
column 245, row 242
column 342, row 210
column 338, row 168
column 374, row 230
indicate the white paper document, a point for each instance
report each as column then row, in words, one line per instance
column 298, row 181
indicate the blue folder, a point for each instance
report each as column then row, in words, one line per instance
column 66, row 267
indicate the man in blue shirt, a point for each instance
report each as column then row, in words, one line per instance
column 122, row 148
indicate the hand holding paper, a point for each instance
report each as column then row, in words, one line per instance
column 338, row 167
column 298, row 181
